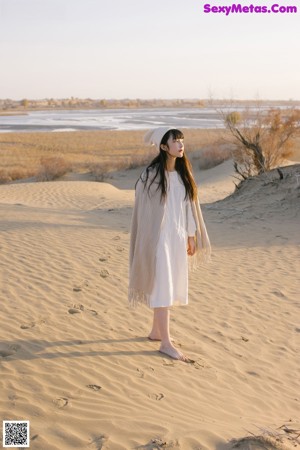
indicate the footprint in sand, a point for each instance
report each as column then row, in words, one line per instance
column 116, row 238
column 26, row 326
column 141, row 373
column 279, row 236
column 61, row 402
column 15, row 347
column 6, row 353
column 79, row 287
column 74, row 311
column 200, row 364
column 94, row 387
column 278, row 293
column 170, row 362
column 120, row 249
column 77, row 309
column 103, row 258
column 157, row 397
column 79, row 306
column 104, row 273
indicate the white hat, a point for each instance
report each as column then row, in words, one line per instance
column 154, row 137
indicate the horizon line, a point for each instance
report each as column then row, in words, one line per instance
column 148, row 99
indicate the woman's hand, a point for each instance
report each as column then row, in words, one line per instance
column 191, row 248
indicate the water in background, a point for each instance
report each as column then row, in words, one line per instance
column 117, row 119
column 112, row 119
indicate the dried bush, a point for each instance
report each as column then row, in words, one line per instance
column 11, row 174
column 100, row 171
column 212, row 156
column 4, row 176
column 52, row 167
column 263, row 139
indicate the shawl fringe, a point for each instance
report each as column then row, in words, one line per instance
column 137, row 297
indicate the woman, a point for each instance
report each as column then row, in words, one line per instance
column 167, row 227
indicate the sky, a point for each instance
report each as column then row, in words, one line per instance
column 147, row 49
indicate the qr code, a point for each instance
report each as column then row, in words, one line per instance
column 15, row 433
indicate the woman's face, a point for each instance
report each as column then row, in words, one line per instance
column 176, row 147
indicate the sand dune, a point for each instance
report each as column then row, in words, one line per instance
column 74, row 358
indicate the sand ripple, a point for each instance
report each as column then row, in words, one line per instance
column 77, row 363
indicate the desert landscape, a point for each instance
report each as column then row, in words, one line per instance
column 75, row 359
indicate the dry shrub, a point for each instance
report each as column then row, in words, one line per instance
column 52, row 167
column 212, row 156
column 263, row 139
column 8, row 175
column 4, row 176
column 100, row 171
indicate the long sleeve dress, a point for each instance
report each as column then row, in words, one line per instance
column 171, row 269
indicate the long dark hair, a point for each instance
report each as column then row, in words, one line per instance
column 182, row 166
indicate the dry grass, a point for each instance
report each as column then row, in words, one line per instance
column 52, row 167
column 97, row 152
column 212, row 155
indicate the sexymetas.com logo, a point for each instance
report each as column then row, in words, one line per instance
column 246, row 9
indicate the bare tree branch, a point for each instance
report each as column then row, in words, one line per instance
column 263, row 138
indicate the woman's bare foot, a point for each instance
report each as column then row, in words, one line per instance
column 171, row 351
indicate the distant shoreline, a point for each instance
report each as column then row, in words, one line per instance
column 10, row 107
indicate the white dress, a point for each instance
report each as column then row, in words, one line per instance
column 171, row 271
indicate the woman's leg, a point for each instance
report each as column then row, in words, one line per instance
column 161, row 331
column 155, row 332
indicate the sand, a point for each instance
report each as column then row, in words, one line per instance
column 75, row 360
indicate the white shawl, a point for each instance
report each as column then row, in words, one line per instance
column 148, row 214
